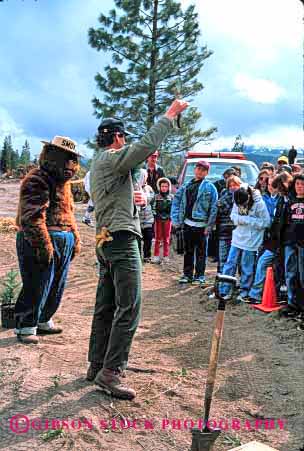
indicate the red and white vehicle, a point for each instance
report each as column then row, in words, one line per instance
column 219, row 162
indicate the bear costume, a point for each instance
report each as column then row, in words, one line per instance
column 47, row 238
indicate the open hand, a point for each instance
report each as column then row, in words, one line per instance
column 176, row 107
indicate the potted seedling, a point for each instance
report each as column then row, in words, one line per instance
column 8, row 296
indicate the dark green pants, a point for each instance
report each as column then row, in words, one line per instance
column 118, row 301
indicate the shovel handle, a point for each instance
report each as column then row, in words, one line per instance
column 213, row 361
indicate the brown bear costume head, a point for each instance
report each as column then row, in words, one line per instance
column 61, row 165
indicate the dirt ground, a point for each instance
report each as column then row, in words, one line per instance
column 260, row 375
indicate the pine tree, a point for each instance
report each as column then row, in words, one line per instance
column 25, row 157
column 14, row 159
column 156, row 54
column 6, row 155
column 238, row 144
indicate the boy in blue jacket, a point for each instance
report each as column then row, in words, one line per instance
column 194, row 209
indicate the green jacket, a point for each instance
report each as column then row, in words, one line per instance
column 111, row 180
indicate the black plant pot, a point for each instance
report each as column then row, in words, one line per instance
column 8, row 320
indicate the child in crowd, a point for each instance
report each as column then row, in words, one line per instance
column 267, row 253
column 161, row 207
column 269, row 167
column 90, row 207
column 146, row 217
column 251, row 218
column 294, row 245
column 262, row 181
column 224, row 224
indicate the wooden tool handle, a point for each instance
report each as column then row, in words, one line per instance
column 214, row 354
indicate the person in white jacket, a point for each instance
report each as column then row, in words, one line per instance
column 90, row 207
column 251, row 218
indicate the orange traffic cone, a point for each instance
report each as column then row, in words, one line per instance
column 269, row 300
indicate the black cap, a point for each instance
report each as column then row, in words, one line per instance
column 286, row 168
column 111, row 124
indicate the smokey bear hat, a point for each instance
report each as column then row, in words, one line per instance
column 63, row 143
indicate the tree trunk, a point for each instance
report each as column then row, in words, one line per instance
column 153, row 64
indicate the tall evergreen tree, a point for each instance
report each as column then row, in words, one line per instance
column 6, row 155
column 156, row 54
column 238, row 144
column 14, row 159
column 25, row 157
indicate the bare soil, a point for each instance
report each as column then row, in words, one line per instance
column 260, row 374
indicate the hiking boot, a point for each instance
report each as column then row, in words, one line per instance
column 110, row 382
column 155, row 260
column 28, row 339
column 93, row 369
column 50, row 331
column 185, row 279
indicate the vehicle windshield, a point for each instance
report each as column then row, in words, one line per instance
column 249, row 171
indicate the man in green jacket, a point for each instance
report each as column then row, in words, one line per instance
column 118, row 297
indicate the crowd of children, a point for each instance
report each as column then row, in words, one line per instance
column 255, row 227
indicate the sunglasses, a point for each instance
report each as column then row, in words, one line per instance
column 120, row 135
column 263, row 179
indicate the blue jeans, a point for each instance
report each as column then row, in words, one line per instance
column 265, row 260
column 43, row 286
column 224, row 248
column 294, row 271
column 248, row 259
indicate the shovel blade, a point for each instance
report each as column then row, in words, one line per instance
column 203, row 441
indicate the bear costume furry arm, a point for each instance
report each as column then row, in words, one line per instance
column 33, row 203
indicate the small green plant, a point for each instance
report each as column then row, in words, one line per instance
column 232, row 440
column 56, row 380
column 10, row 286
column 181, row 373
column 52, row 434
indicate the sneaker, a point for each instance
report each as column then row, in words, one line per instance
column 253, row 301
column 49, row 331
column 227, row 297
column 155, row 260
column 185, row 279
column 244, row 299
column 196, row 281
column 199, row 280
column 87, row 221
column 289, row 311
column 109, row 381
column 147, row 260
column 166, row 260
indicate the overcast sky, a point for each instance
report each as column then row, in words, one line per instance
column 253, row 81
